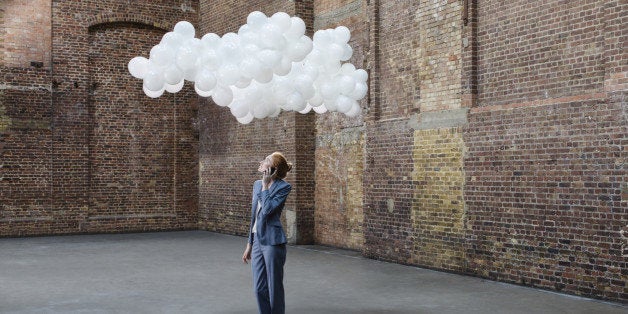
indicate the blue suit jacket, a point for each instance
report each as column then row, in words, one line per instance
column 269, row 229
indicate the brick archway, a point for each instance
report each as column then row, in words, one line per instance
column 106, row 18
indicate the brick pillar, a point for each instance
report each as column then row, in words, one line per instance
column 304, row 143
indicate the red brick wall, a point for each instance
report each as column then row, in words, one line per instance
column 493, row 148
column 543, row 196
column 82, row 149
column 25, row 32
column 545, row 179
column 539, row 49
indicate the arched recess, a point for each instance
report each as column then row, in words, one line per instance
column 107, row 18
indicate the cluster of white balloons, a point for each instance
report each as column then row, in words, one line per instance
column 269, row 65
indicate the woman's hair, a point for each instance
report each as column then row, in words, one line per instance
column 278, row 160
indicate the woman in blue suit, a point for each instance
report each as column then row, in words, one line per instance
column 266, row 247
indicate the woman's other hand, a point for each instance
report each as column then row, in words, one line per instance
column 247, row 254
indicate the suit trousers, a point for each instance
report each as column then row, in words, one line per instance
column 267, row 263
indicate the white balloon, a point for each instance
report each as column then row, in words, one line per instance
column 211, row 40
column 190, row 75
column 330, row 104
column 316, row 100
column 186, row 58
column 261, row 110
column 231, row 37
column 222, row 95
column 360, row 75
column 246, row 28
column 201, row 92
column 269, row 58
column 230, row 51
column 304, row 85
column 228, row 74
column 153, row 94
column 329, row 90
column 322, row 39
column 250, row 50
column 347, row 69
column 194, row 43
column 239, row 108
column 342, row 34
column 282, row 89
column 295, row 102
column 355, row 111
column 244, row 82
column 344, row 103
column 174, row 88
column 172, row 40
column 205, row 81
column 320, row 109
column 161, row 55
column 336, row 51
column 211, row 60
column 154, row 80
column 347, row 53
column 270, row 34
column 249, row 37
column 256, row 19
column 307, row 109
column 172, row 75
column 276, row 111
column 247, row 119
column 250, row 67
column 317, row 56
column 359, row 92
column 297, row 28
column 311, row 71
column 284, row 67
column 265, row 76
column 252, row 94
column 298, row 50
column 346, row 84
column 138, row 67
column 331, row 67
column 282, row 20
column 185, row 28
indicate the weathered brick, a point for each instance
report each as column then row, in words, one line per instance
column 83, row 150
column 491, row 141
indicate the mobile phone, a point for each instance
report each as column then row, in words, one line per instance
column 272, row 170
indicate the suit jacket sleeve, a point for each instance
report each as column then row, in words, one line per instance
column 274, row 202
column 252, row 214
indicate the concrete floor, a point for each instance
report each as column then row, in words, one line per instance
column 201, row 272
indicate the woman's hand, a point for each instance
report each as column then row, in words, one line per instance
column 247, row 254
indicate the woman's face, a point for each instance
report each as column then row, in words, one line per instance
column 264, row 164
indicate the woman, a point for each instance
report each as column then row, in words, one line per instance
column 267, row 241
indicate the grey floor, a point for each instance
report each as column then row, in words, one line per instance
column 201, row 272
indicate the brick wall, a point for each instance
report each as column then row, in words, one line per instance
column 415, row 91
column 82, row 149
column 26, row 32
column 438, row 206
column 543, row 196
column 545, row 164
column 339, row 213
column 491, row 142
